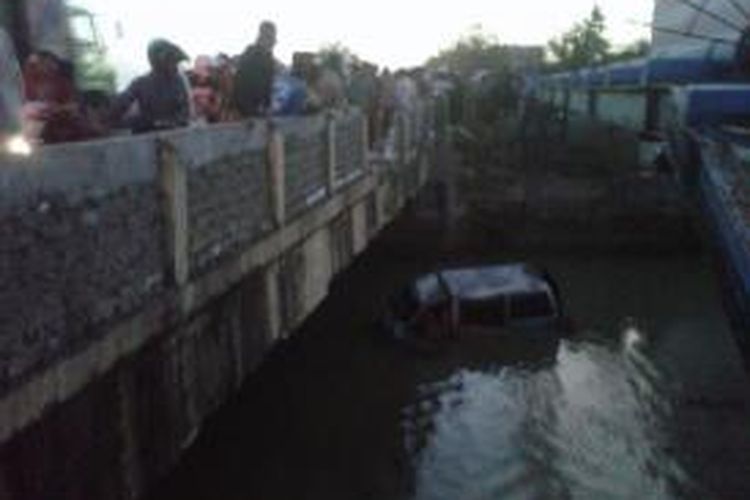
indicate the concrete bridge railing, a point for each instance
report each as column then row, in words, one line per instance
column 143, row 279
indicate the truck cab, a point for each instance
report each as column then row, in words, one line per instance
column 70, row 32
column 55, row 26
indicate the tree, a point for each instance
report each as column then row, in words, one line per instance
column 474, row 51
column 584, row 44
column 487, row 76
column 639, row 48
column 336, row 56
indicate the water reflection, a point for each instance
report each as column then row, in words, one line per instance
column 647, row 400
column 599, row 421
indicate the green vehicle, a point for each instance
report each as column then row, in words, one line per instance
column 93, row 69
column 69, row 31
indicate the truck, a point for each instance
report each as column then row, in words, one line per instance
column 64, row 28
column 69, row 31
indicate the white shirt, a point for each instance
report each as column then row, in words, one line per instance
column 406, row 93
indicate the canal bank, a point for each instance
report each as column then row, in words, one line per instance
column 542, row 178
column 647, row 399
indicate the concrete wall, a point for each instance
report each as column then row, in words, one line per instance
column 631, row 123
column 634, row 109
column 145, row 278
column 580, row 101
column 626, row 109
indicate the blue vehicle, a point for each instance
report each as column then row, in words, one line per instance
column 690, row 96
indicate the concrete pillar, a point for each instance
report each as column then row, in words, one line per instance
column 360, row 234
column 652, row 113
column 566, row 113
column 273, row 302
column 277, row 175
column 173, row 184
column 424, row 166
column 365, row 144
column 130, row 465
column 402, row 139
column 331, row 152
column 316, row 270
column 593, row 104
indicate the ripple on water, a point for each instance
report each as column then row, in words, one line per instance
column 597, row 423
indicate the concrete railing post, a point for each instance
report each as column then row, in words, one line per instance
column 416, row 130
column 331, row 152
column 593, row 104
column 273, row 301
column 277, row 175
column 173, row 184
column 566, row 113
column 401, row 140
column 652, row 113
column 365, row 138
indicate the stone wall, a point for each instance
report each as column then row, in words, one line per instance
column 563, row 179
column 306, row 145
column 227, row 191
column 81, row 245
column 349, row 148
column 145, row 278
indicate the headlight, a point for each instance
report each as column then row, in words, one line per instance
column 18, row 146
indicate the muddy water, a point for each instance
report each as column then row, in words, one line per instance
column 648, row 399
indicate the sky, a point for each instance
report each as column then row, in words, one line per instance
column 394, row 33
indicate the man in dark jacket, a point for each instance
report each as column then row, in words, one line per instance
column 254, row 79
column 162, row 96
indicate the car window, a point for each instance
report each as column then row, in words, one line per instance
column 485, row 312
column 531, row 305
column 405, row 303
column 430, row 291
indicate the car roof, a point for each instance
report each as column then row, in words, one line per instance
column 479, row 283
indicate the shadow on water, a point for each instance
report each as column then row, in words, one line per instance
column 647, row 400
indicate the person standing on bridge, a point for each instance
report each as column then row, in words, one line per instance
column 253, row 83
column 162, row 96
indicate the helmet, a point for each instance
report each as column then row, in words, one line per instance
column 161, row 51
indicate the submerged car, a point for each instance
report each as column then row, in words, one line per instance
column 489, row 300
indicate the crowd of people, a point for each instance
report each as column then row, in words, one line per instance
column 39, row 99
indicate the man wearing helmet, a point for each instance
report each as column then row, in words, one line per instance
column 161, row 96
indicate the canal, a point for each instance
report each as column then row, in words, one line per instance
column 648, row 399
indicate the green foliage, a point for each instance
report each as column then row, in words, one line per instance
column 472, row 52
column 583, row 45
column 336, row 56
column 487, row 76
column 639, row 48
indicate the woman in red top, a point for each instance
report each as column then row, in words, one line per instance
column 204, row 83
column 51, row 112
